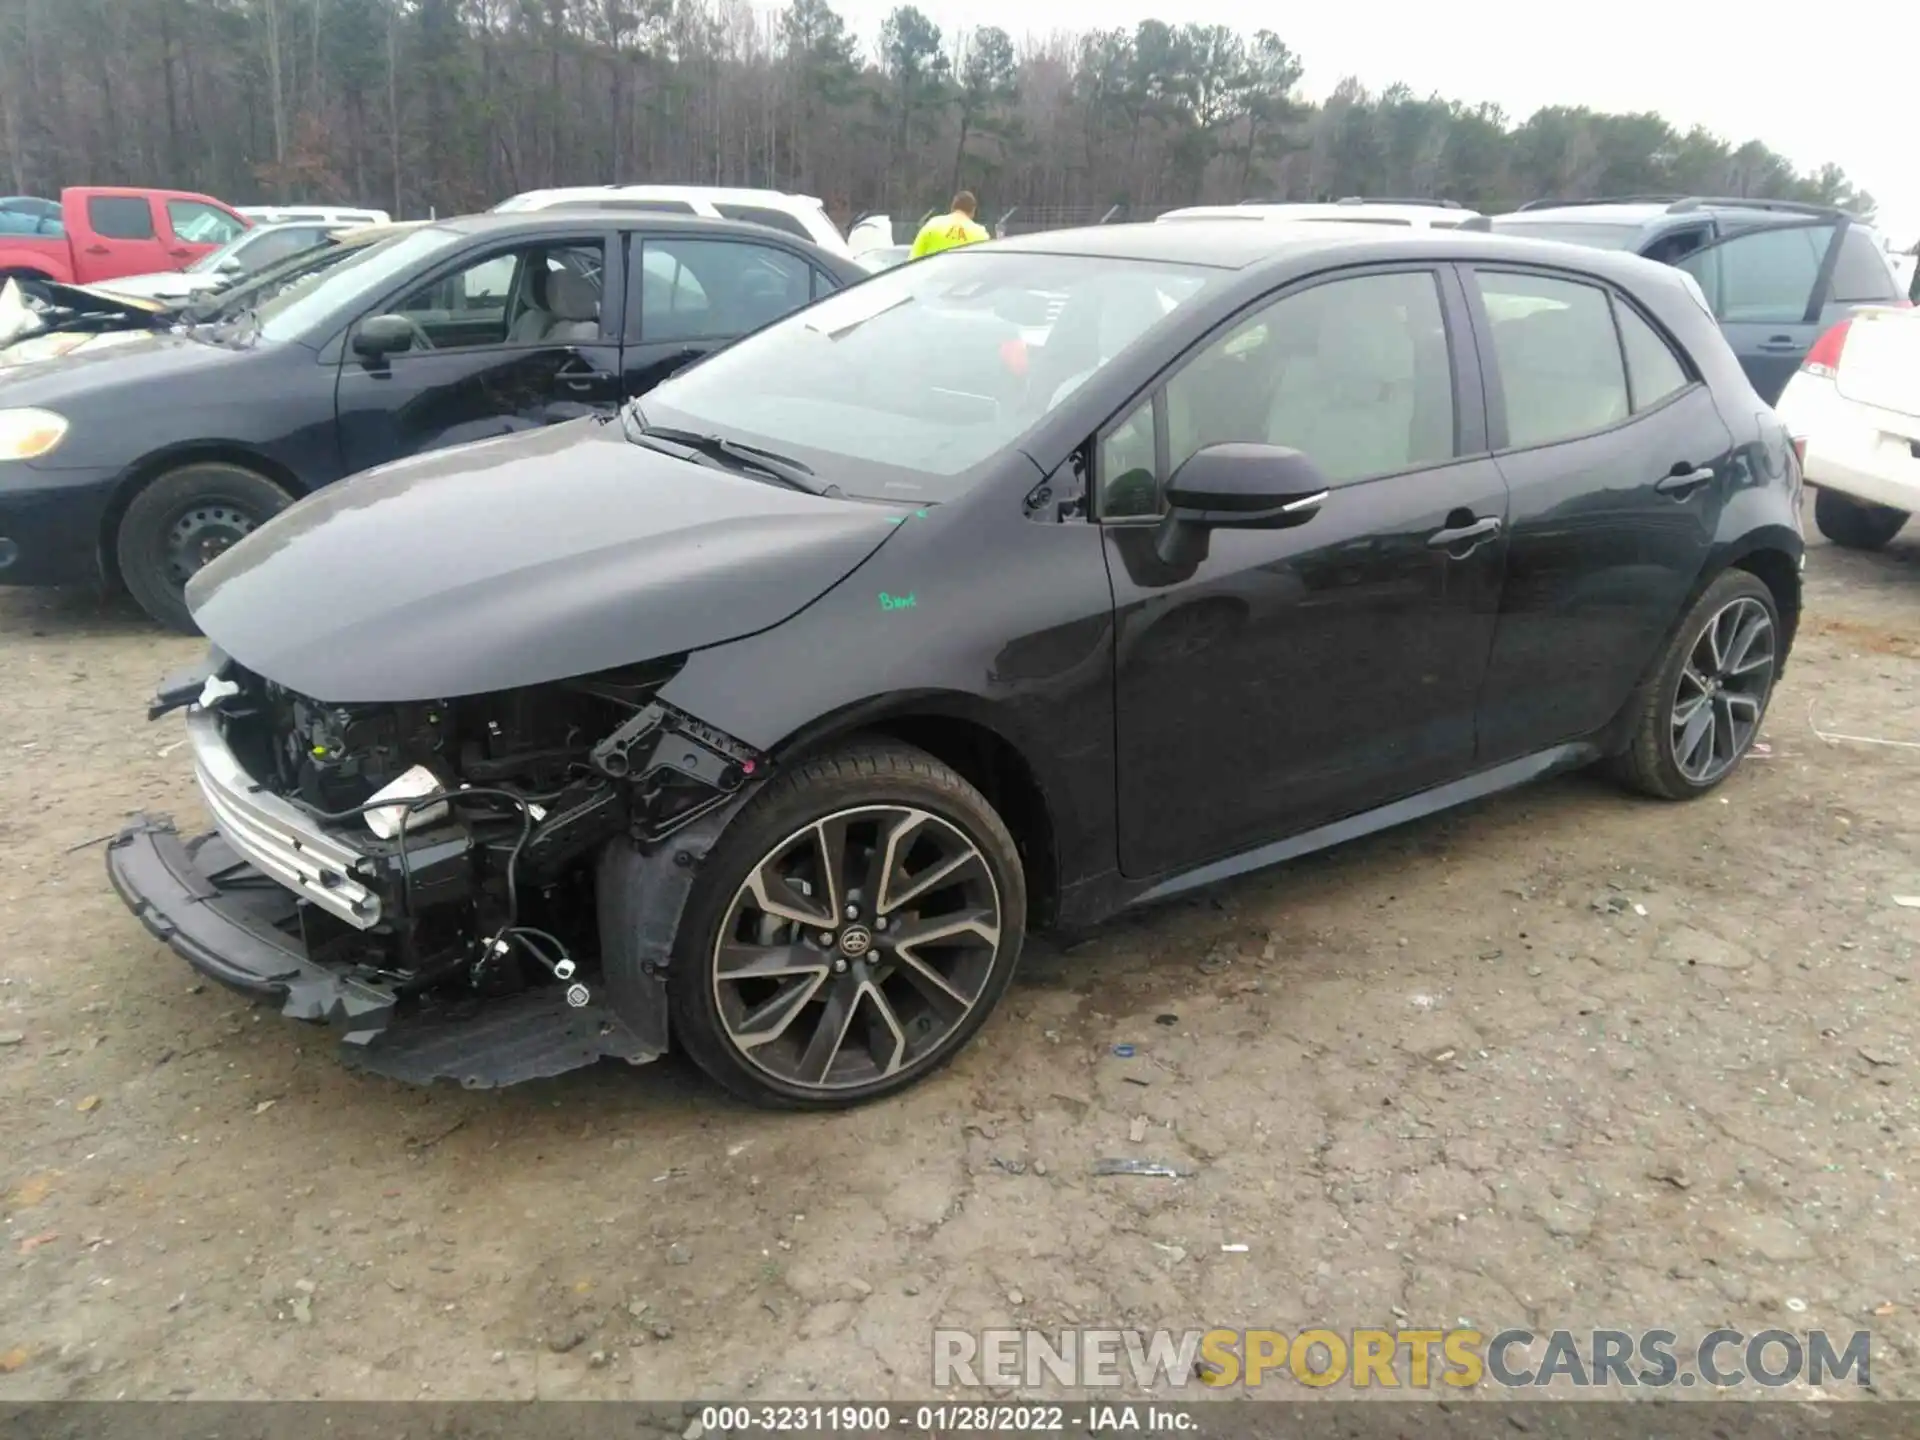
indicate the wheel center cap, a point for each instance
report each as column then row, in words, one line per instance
column 855, row 941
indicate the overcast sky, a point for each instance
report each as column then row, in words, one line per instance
column 1745, row 71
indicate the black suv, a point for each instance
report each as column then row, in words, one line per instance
column 1775, row 272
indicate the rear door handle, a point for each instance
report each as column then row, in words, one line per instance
column 1780, row 344
column 98, row 250
column 1682, row 482
column 1468, row 535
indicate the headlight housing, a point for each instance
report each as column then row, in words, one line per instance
column 27, row 434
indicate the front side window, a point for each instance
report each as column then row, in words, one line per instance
column 899, row 386
column 120, row 217
column 198, row 223
column 1764, row 276
column 1561, row 374
column 1355, row 374
column 541, row 294
column 716, row 289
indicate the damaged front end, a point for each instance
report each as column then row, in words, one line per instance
column 482, row 889
column 51, row 320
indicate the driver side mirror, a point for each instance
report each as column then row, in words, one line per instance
column 229, row 266
column 1237, row 486
column 379, row 336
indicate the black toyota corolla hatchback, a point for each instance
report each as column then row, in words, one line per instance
column 1004, row 590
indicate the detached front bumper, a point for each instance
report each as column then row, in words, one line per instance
column 234, row 924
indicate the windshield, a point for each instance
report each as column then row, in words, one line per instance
column 360, row 277
column 926, row 371
column 210, row 261
column 1597, row 235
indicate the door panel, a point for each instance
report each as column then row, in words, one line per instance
column 512, row 340
column 1293, row 676
column 688, row 296
column 1611, row 520
column 1765, row 288
column 123, row 238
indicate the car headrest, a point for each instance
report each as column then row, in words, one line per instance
column 569, row 297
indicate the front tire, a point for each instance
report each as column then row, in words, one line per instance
column 1855, row 524
column 180, row 522
column 1705, row 706
column 853, row 928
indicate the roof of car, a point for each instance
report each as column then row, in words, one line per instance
column 496, row 221
column 1648, row 209
column 719, row 194
column 1230, row 245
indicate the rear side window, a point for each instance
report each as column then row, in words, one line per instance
column 1862, row 275
column 1762, row 276
column 120, row 217
column 714, row 289
column 1561, row 371
column 1653, row 371
column 762, row 215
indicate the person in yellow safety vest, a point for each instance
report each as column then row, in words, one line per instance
column 956, row 227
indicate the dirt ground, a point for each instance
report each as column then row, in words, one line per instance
column 1566, row 1058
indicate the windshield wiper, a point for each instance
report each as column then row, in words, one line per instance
column 736, row 453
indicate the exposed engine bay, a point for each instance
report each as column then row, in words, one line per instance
column 446, row 854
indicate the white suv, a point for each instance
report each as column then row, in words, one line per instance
column 801, row 215
column 1355, row 210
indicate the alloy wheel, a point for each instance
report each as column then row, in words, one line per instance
column 1722, row 691
column 856, row 946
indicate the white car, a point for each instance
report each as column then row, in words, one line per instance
column 1419, row 214
column 801, row 215
column 314, row 214
column 246, row 254
column 1854, row 410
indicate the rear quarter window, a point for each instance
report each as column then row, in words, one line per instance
column 120, row 217
column 1862, row 274
column 763, row 215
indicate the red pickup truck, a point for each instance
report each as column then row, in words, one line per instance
column 100, row 232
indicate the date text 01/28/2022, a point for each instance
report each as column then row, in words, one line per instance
column 940, row 1419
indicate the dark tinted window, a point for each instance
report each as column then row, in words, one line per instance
column 1653, row 370
column 715, row 289
column 1862, row 273
column 1559, row 356
column 120, row 217
column 761, row 215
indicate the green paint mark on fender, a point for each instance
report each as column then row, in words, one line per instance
column 895, row 602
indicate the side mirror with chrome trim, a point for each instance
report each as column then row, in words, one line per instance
column 1237, row 485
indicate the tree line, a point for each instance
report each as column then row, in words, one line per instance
column 451, row 105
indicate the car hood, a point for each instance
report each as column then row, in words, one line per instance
column 519, row 561
column 56, row 365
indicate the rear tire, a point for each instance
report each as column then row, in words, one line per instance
column 1855, row 524
column 1708, row 699
column 752, row 991
column 181, row 521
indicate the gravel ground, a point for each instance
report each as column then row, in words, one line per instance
column 1564, row 1059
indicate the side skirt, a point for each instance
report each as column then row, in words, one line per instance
column 1414, row 807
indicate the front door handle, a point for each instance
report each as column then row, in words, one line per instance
column 1468, row 535
column 1684, row 480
